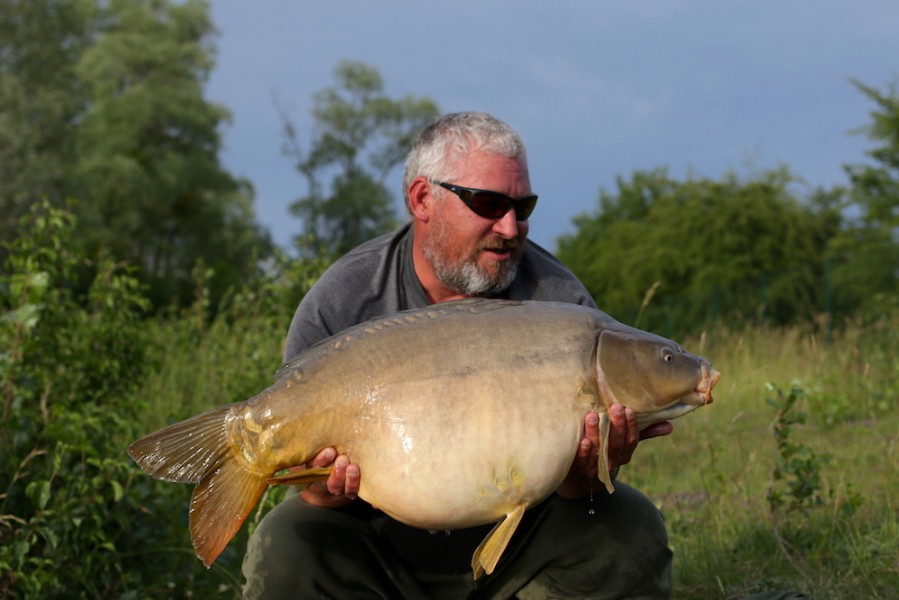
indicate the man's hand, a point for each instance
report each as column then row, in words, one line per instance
column 623, row 439
column 624, row 435
column 341, row 487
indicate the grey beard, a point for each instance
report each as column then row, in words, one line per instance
column 467, row 279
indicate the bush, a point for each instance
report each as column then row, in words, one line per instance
column 70, row 367
column 83, row 375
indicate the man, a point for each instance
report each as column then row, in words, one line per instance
column 468, row 192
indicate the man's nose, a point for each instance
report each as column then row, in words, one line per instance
column 507, row 225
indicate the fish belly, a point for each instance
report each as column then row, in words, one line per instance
column 473, row 460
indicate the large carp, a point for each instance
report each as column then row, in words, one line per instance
column 459, row 414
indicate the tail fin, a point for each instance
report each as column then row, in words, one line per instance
column 197, row 451
column 219, row 506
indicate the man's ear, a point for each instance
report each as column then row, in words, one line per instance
column 420, row 199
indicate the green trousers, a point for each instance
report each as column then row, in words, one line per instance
column 619, row 551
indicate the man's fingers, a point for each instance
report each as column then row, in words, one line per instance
column 323, row 458
column 342, row 485
column 583, row 449
column 633, row 431
column 591, row 427
column 353, row 476
column 656, row 430
column 617, row 430
column 624, row 434
column 337, row 479
column 587, row 454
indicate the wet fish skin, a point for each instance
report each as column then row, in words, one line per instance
column 458, row 414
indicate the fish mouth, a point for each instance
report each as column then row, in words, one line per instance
column 700, row 396
column 702, row 393
column 668, row 413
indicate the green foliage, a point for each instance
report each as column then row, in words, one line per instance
column 866, row 251
column 148, row 173
column 745, row 251
column 68, row 375
column 863, row 384
column 78, row 519
column 713, row 477
column 103, row 102
column 741, row 251
column 361, row 135
column 84, row 375
column 796, row 477
column 40, row 43
column 204, row 362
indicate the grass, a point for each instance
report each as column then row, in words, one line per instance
column 713, row 476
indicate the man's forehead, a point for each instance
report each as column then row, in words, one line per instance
column 481, row 161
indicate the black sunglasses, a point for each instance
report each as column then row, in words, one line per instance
column 491, row 205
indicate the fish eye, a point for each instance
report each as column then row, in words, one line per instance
column 667, row 355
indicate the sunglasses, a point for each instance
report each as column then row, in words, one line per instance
column 491, row 205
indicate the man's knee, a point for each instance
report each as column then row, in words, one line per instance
column 621, row 550
column 273, row 552
column 631, row 515
column 293, row 543
column 301, row 551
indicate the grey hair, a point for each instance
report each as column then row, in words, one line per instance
column 441, row 144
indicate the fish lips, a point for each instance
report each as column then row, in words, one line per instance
column 709, row 378
column 702, row 393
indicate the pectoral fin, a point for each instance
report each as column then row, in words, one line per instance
column 603, row 473
column 491, row 549
column 301, row 477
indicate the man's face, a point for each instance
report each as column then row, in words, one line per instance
column 473, row 255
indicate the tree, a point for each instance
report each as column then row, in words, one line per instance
column 672, row 256
column 103, row 104
column 360, row 136
column 148, row 175
column 679, row 254
column 866, row 253
column 41, row 41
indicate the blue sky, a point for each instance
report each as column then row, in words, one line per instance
column 596, row 89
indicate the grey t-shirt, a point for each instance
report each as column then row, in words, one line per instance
column 378, row 278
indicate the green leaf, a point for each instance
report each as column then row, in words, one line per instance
column 39, row 493
column 27, row 315
column 117, row 491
